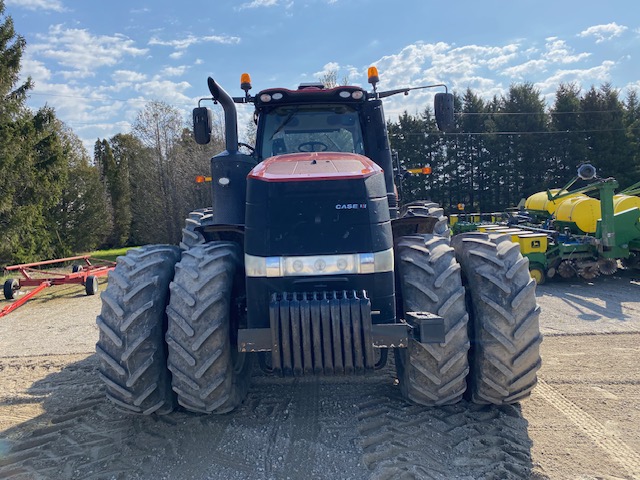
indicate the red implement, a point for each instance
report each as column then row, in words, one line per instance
column 85, row 274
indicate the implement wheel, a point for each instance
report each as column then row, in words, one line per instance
column 91, row 285
column 537, row 273
column 209, row 374
column 11, row 286
column 429, row 281
column 131, row 347
column 505, row 335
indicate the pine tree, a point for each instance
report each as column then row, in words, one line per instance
column 567, row 144
column 79, row 217
column 14, row 125
column 114, row 171
column 632, row 126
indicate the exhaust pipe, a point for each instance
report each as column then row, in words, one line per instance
column 230, row 115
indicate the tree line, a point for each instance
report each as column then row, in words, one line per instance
column 512, row 146
column 57, row 200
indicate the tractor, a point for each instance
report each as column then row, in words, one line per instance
column 307, row 263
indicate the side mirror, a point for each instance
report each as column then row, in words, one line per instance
column 443, row 107
column 202, row 125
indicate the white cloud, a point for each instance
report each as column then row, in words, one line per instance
column 559, row 52
column 604, row 32
column 165, row 90
column 128, row 76
column 633, row 86
column 345, row 73
column 259, row 3
column 34, row 68
column 54, row 5
column 598, row 74
column 184, row 43
column 173, row 71
column 83, row 52
column 475, row 67
column 328, row 67
column 407, row 65
column 524, row 69
column 268, row 3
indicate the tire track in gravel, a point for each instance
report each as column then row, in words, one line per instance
column 466, row 440
column 72, row 445
column 79, row 435
column 619, row 451
column 327, row 427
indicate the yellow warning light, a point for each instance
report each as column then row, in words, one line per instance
column 372, row 74
column 421, row 170
column 202, row 179
column 245, row 82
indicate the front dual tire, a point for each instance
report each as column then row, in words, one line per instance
column 169, row 339
column 482, row 289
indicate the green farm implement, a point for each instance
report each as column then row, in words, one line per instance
column 568, row 233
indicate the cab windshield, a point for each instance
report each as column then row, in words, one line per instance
column 310, row 128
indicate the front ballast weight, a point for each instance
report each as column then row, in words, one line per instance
column 332, row 333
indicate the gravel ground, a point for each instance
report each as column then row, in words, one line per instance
column 580, row 423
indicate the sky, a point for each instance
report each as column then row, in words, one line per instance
column 98, row 63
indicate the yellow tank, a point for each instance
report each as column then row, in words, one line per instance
column 539, row 202
column 625, row 202
column 583, row 212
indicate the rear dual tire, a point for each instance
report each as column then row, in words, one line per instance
column 505, row 334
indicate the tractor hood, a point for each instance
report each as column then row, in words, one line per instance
column 314, row 166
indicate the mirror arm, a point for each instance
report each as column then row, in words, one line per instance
column 406, row 91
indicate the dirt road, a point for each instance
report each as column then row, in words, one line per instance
column 581, row 422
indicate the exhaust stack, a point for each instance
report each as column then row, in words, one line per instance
column 230, row 115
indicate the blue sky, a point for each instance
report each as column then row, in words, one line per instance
column 98, row 63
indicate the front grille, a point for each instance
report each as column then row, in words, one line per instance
column 321, row 332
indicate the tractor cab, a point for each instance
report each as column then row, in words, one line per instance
column 310, row 119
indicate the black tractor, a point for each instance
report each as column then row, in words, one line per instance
column 308, row 263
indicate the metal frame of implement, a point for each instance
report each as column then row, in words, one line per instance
column 33, row 277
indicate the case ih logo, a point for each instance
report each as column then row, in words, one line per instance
column 351, row 206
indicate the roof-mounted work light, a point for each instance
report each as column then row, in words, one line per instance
column 245, row 83
column 373, row 77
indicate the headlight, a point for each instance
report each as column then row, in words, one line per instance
column 315, row 265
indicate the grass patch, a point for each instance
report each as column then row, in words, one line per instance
column 110, row 254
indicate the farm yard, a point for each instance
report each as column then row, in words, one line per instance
column 580, row 422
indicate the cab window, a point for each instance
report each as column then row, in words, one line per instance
column 310, row 128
